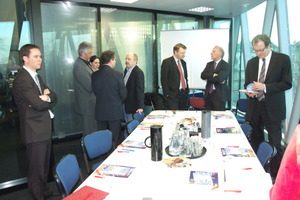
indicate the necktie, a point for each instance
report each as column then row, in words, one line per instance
column 38, row 83
column 261, row 79
column 212, row 86
column 183, row 85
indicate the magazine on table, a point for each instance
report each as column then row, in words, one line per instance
column 236, row 151
column 204, row 178
column 133, row 144
column 114, row 170
column 227, row 130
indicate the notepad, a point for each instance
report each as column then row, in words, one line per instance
column 87, row 193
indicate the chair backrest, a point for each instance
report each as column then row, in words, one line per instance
column 241, row 105
column 265, row 153
column 95, row 145
column 131, row 126
column 246, row 129
column 197, row 102
column 139, row 116
column 67, row 174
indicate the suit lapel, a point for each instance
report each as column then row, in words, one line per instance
column 26, row 73
column 270, row 67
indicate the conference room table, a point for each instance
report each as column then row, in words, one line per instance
column 236, row 175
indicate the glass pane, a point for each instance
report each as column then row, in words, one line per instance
column 12, row 151
column 255, row 25
column 170, row 23
column 62, row 33
column 294, row 15
column 129, row 31
column 25, row 34
column 238, row 73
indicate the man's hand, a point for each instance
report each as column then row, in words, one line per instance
column 44, row 97
column 140, row 110
column 251, row 94
column 258, row 86
column 215, row 75
column 46, row 91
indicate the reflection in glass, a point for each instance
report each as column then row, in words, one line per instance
column 62, row 33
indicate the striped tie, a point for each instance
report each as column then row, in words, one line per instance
column 38, row 83
column 260, row 95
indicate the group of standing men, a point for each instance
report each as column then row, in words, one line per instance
column 269, row 73
column 104, row 97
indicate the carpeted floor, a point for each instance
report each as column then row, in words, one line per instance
column 60, row 148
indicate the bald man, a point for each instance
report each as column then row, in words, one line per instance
column 134, row 81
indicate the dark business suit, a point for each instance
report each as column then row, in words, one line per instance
column 218, row 98
column 170, row 80
column 135, row 90
column 109, row 88
column 35, row 128
column 85, row 99
column 272, row 110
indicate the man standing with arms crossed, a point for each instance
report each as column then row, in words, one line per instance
column 270, row 73
column 216, row 72
column 34, row 99
column 174, row 79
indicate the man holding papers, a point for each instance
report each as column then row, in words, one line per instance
column 270, row 73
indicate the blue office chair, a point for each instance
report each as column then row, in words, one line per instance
column 139, row 116
column 265, row 153
column 241, row 107
column 95, row 147
column 247, row 129
column 67, row 174
column 131, row 126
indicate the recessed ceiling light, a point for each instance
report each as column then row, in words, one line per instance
column 124, row 1
column 201, row 9
column 107, row 10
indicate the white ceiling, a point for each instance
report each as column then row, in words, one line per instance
column 222, row 8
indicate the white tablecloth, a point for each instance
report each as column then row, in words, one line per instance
column 240, row 178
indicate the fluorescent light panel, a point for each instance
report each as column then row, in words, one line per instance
column 201, row 9
column 124, row 1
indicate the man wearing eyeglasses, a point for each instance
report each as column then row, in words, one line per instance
column 270, row 75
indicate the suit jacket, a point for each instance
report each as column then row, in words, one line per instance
column 170, row 77
column 278, row 79
column 109, row 88
column 222, row 90
column 35, row 121
column 135, row 90
column 85, row 99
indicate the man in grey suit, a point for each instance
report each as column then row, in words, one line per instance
column 34, row 99
column 85, row 99
column 109, row 88
column 216, row 72
column 270, row 73
column 174, row 79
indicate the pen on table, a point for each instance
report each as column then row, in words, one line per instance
column 98, row 176
column 224, row 176
column 248, row 168
column 128, row 150
column 123, row 151
column 236, row 191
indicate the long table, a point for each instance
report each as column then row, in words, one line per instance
column 238, row 178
